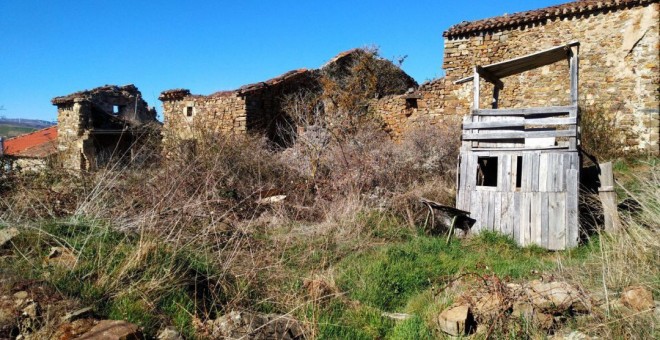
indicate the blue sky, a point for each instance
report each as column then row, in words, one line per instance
column 54, row 47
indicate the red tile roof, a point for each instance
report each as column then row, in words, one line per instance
column 37, row 144
column 559, row 11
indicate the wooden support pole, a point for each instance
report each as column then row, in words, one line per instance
column 608, row 198
column 475, row 84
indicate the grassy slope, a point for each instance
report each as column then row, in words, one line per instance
column 8, row 131
column 391, row 268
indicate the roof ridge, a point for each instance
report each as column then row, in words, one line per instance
column 535, row 15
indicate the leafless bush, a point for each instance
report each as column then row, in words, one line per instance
column 603, row 136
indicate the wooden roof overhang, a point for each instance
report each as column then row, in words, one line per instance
column 494, row 72
column 507, row 129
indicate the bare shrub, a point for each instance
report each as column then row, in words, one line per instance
column 602, row 136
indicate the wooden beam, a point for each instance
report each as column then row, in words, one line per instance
column 505, row 150
column 520, row 122
column 475, row 85
column 526, row 111
column 490, row 77
column 488, row 135
column 573, row 53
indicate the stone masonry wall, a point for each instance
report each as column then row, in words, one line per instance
column 619, row 57
column 435, row 106
column 224, row 113
column 71, row 120
column 110, row 108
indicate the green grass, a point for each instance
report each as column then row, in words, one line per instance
column 387, row 277
column 123, row 276
column 9, row 131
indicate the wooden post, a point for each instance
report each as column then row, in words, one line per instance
column 608, row 198
column 575, row 65
column 475, row 84
column 574, row 69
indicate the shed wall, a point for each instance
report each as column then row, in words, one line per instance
column 542, row 211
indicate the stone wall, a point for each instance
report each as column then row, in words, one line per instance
column 431, row 104
column 114, row 111
column 619, row 57
column 71, row 119
column 188, row 117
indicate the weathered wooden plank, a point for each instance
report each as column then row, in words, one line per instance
column 476, row 211
column 475, row 87
column 516, row 216
column 526, row 111
column 504, row 212
column 470, row 172
column 536, row 213
column 550, row 121
column 491, row 209
column 572, row 224
column 574, row 66
column 557, row 218
column 504, row 172
column 513, row 122
column 462, row 171
column 525, row 218
column 543, row 172
column 536, row 159
column 608, row 198
column 552, row 171
column 494, row 135
column 544, row 211
column 508, row 212
column 497, row 211
column 517, row 148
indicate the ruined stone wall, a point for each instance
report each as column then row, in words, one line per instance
column 434, row 105
column 255, row 108
column 225, row 113
column 619, row 57
column 72, row 119
column 107, row 109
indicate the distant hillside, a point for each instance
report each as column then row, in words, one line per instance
column 33, row 123
column 12, row 127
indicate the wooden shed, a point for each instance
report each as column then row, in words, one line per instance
column 519, row 168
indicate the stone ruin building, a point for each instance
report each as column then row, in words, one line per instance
column 102, row 124
column 258, row 107
column 619, row 74
column 31, row 151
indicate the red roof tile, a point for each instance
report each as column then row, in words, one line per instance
column 37, row 144
column 537, row 15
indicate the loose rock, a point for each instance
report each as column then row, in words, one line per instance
column 7, row 234
column 61, row 257
column 113, row 330
column 169, row 333
column 637, row 298
column 457, row 320
column 237, row 325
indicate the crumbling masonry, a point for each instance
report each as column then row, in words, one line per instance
column 619, row 58
column 101, row 124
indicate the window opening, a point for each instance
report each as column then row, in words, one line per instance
column 411, row 103
column 115, row 109
column 487, row 171
column 189, row 111
column 519, row 168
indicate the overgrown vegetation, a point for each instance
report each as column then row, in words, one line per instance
column 328, row 231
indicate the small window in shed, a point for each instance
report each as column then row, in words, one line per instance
column 487, row 171
column 411, row 103
column 115, row 109
column 189, row 111
column 519, row 171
